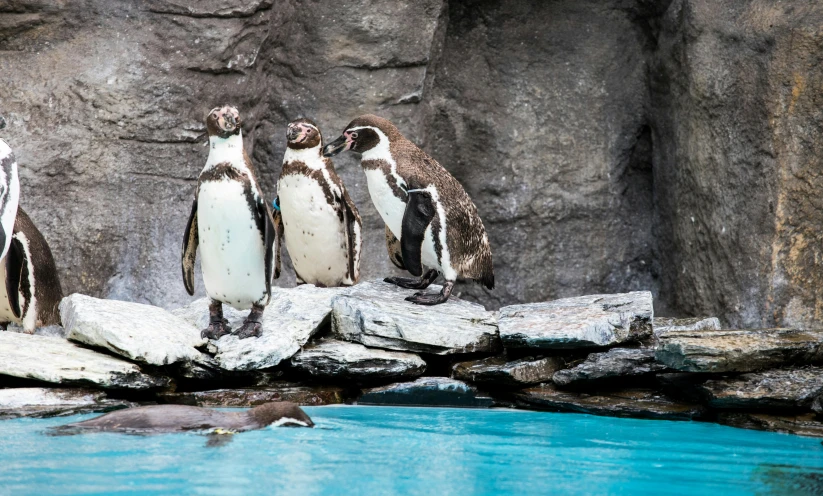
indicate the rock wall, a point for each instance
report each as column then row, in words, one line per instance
column 610, row 145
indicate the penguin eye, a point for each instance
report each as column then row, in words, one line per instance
column 353, row 135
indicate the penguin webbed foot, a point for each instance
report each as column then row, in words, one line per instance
column 414, row 282
column 422, row 298
column 216, row 329
column 253, row 326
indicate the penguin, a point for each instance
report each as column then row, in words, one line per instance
column 234, row 230
column 423, row 206
column 32, row 291
column 321, row 225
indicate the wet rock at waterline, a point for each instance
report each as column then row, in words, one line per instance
column 375, row 314
column 639, row 403
column 44, row 402
column 498, row 371
column 806, row 424
column 666, row 324
column 331, row 359
column 142, row 333
column 738, row 350
column 426, row 391
column 59, row 361
column 772, row 389
column 247, row 397
column 292, row 317
column 584, row 321
column 617, row 362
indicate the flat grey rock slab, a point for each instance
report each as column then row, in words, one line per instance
column 55, row 331
column 738, row 350
column 617, row 362
column 498, row 371
column 249, row 397
column 771, row 389
column 342, row 360
column 638, row 403
column 375, row 314
column 59, row 361
column 426, row 391
column 142, row 333
column 291, row 318
column 580, row 322
column 666, row 324
column 805, row 424
column 46, row 402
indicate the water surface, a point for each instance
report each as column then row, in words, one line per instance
column 388, row 450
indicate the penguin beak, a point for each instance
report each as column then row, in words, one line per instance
column 336, row 146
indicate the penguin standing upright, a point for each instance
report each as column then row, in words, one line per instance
column 423, row 206
column 32, row 290
column 320, row 222
column 234, row 229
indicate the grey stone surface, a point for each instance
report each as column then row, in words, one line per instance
column 42, row 402
column 336, row 360
column 248, row 397
column 738, row 350
column 375, row 314
column 59, row 361
column 55, row 331
column 806, row 424
column 793, row 388
column 142, row 333
column 426, row 391
column 579, row 322
column 291, row 318
column 666, row 324
column 501, row 372
column 615, row 363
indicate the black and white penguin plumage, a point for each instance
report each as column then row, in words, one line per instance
column 320, row 222
column 423, row 206
column 32, row 291
column 234, row 229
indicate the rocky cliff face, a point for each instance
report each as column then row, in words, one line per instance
column 610, row 145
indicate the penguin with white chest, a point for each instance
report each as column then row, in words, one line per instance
column 423, row 206
column 320, row 222
column 234, row 230
column 32, row 290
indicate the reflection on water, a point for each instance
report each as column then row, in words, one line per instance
column 386, row 450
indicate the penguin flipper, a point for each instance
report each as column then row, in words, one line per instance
column 15, row 261
column 270, row 238
column 277, row 218
column 393, row 247
column 417, row 217
column 190, row 241
column 353, row 236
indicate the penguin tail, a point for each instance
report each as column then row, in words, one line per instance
column 487, row 280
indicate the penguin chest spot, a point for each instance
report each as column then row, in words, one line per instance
column 389, row 206
column 233, row 257
column 315, row 234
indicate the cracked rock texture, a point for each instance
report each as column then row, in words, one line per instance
column 41, row 402
column 615, row 363
column 335, row 360
column 500, row 372
column 780, row 388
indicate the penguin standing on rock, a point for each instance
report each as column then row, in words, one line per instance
column 232, row 225
column 32, row 290
column 423, row 206
column 321, row 224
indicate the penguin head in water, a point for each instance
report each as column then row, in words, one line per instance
column 363, row 134
column 303, row 134
column 223, row 122
column 281, row 413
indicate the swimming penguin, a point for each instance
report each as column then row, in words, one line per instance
column 234, row 229
column 422, row 205
column 32, row 290
column 321, row 224
column 181, row 418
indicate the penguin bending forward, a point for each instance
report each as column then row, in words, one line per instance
column 32, row 291
column 234, row 229
column 423, row 206
column 320, row 222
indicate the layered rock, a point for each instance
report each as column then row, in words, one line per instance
column 738, row 350
column 617, row 362
column 501, row 372
column 142, row 333
column 580, row 322
column 666, row 324
column 640, row 403
column 806, row 424
column 782, row 388
column 58, row 361
column 41, row 402
column 291, row 318
column 335, row 360
column 426, row 391
column 249, row 397
column 375, row 314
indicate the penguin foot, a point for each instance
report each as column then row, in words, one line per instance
column 216, row 329
column 249, row 329
column 413, row 282
column 432, row 298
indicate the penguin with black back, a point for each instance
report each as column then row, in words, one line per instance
column 424, row 207
column 234, row 229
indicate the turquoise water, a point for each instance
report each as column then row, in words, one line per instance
column 386, row 450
